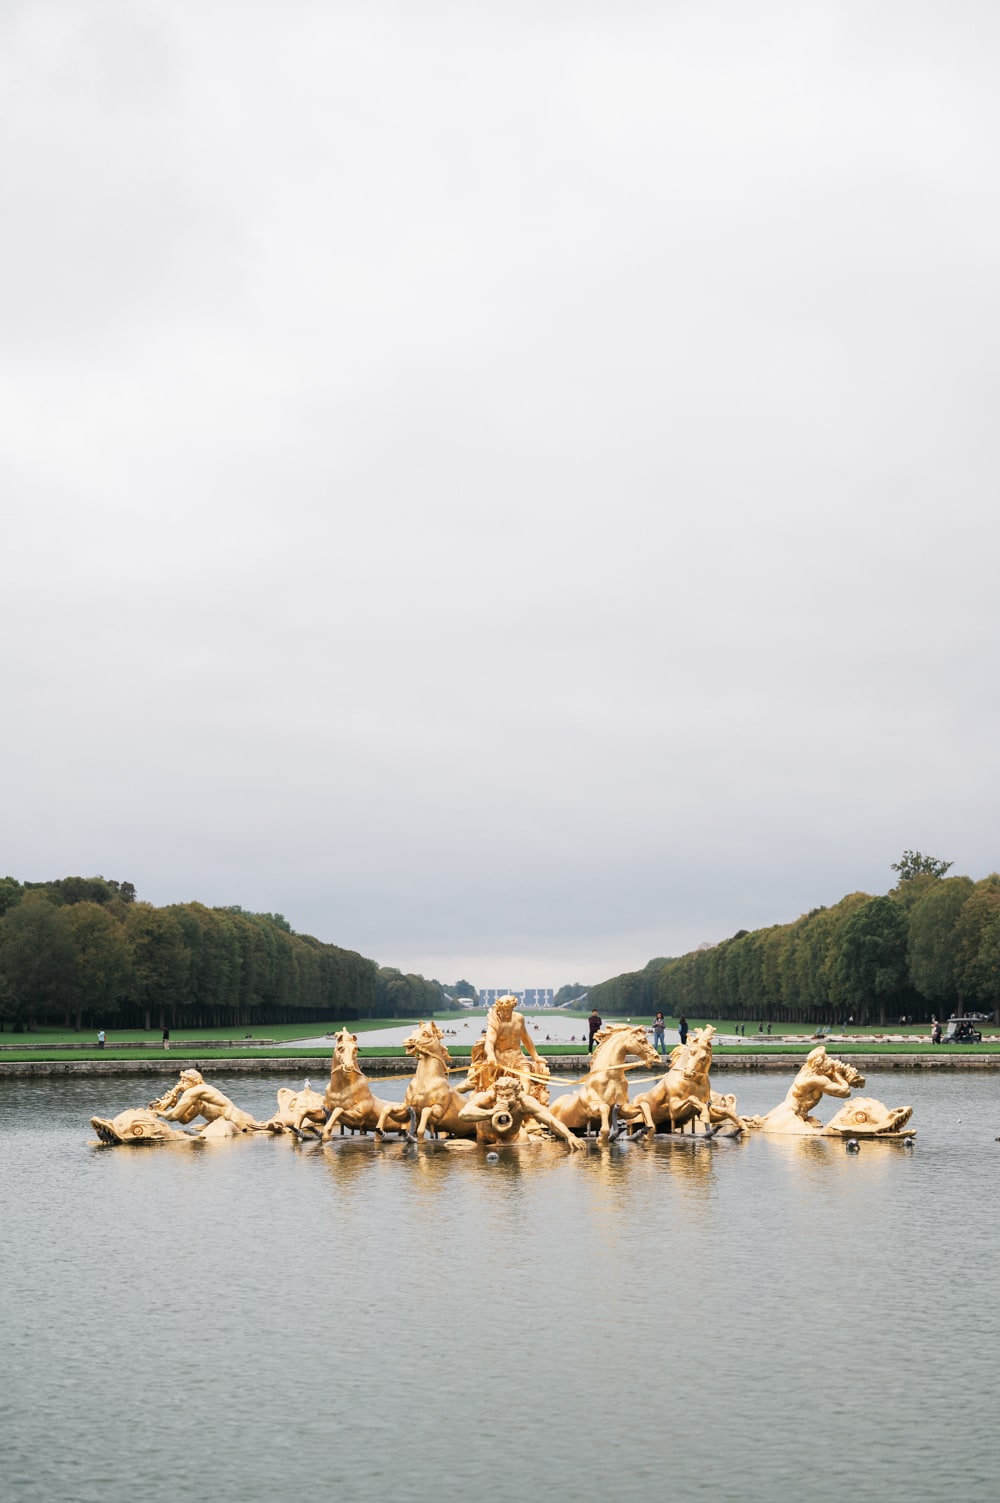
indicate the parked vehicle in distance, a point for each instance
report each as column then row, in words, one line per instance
column 965, row 1030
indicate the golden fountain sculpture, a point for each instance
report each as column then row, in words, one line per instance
column 603, row 1094
column 820, row 1076
column 349, row 1099
column 505, row 1112
column 299, row 1112
column 684, row 1094
column 507, row 1087
column 193, row 1097
column 506, row 1034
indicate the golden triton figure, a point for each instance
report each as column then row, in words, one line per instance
column 820, row 1076
column 505, row 1110
column 193, row 1097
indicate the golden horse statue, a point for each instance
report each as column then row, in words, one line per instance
column 349, row 1098
column 429, row 1094
column 684, row 1094
column 605, row 1087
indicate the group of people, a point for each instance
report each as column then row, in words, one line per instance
column 595, row 1022
column 659, row 1027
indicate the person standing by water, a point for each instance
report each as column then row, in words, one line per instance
column 594, row 1022
column 682, row 1028
column 100, row 1038
column 659, row 1024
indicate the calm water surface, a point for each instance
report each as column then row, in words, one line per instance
column 761, row 1320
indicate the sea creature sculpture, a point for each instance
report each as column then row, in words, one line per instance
column 193, row 1097
column 864, row 1118
column 429, row 1093
column 820, row 1076
column 503, row 1110
column 349, row 1099
column 605, row 1086
column 140, row 1127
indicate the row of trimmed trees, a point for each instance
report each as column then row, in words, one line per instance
column 932, row 945
column 82, row 952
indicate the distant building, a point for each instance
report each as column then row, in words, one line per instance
column 531, row 997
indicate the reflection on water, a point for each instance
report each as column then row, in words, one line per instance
column 260, row 1317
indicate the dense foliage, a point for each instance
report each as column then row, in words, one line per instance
column 931, row 946
column 82, row 951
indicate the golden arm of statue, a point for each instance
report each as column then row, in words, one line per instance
column 480, row 1107
column 834, row 1085
column 542, row 1114
column 168, row 1099
column 529, row 1043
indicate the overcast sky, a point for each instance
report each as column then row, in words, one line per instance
column 512, row 487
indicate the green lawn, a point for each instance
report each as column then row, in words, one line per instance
column 277, row 1031
column 205, row 1044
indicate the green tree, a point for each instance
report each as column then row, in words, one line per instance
column 570, row 993
column 10, row 893
column 36, row 958
column 100, row 961
column 977, row 935
column 161, row 962
column 913, row 864
column 933, row 941
column 870, row 969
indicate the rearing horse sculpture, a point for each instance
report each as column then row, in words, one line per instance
column 606, row 1086
column 349, row 1099
column 429, row 1093
column 684, row 1093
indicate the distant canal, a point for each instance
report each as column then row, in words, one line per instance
column 258, row 1321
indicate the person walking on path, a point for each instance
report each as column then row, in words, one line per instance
column 100, row 1038
column 166, row 1038
column 659, row 1024
column 682, row 1028
column 594, row 1022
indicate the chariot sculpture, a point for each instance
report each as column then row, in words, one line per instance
column 504, row 1098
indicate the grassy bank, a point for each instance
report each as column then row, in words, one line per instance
column 279, row 1041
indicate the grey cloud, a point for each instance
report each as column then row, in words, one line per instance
column 500, row 483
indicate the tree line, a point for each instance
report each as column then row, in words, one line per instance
column 84, row 952
column 930, row 946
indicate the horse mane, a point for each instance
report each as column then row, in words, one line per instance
column 431, row 1040
column 610, row 1029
